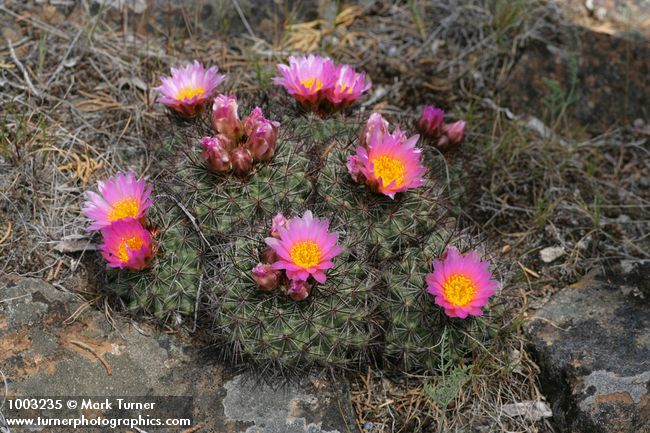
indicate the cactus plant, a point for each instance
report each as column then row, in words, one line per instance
column 169, row 288
column 337, row 326
column 418, row 335
column 374, row 298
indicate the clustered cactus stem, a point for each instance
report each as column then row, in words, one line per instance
column 361, row 268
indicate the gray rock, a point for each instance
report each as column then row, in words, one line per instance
column 550, row 254
column 289, row 409
column 592, row 343
column 43, row 352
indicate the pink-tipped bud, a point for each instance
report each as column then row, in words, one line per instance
column 242, row 161
column 225, row 119
column 215, row 153
column 266, row 277
column 262, row 141
column 455, row 132
column 431, row 121
column 250, row 122
column 279, row 221
column 355, row 168
column 269, row 256
column 298, row 290
column 443, row 143
column 376, row 126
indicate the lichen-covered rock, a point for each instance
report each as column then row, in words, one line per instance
column 592, row 342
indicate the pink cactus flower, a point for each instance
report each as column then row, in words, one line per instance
column 307, row 78
column 305, row 248
column 189, row 88
column 279, row 221
column 266, row 277
column 120, row 197
column 126, row 245
column 390, row 164
column 376, row 127
column 225, row 119
column 349, row 86
column 299, row 290
column 431, row 121
column 461, row 284
column 215, row 153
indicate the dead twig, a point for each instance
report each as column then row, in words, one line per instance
column 22, row 69
column 7, row 234
column 101, row 359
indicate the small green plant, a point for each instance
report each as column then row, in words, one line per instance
column 558, row 100
column 448, row 387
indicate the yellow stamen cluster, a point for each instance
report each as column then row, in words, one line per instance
column 189, row 92
column 345, row 89
column 134, row 243
column 459, row 290
column 305, row 254
column 125, row 208
column 309, row 82
column 389, row 170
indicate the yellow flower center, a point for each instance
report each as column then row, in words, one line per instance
column 344, row 88
column 309, row 82
column 125, row 208
column 459, row 290
column 134, row 243
column 389, row 169
column 305, row 254
column 189, row 92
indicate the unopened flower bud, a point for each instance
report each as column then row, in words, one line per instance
column 298, row 290
column 455, row 132
column 262, row 141
column 268, row 255
column 242, row 161
column 279, row 221
column 376, row 126
column 442, row 143
column 431, row 121
column 225, row 119
column 215, row 153
column 250, row 122
column 266, row 277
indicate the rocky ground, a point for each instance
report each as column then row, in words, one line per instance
column 53, row 344
column 558, row 171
